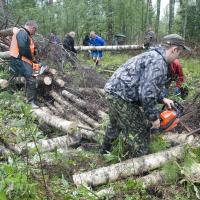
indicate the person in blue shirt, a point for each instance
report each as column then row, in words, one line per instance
column 96, row 40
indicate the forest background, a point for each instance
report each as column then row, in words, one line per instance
column 109, row 17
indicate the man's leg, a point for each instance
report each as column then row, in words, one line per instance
column 134, row 126
column 27, row 71
column 113, row 129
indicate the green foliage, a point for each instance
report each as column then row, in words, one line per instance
column 15, row 184
column 172, row 172
column 158, row 144
column 118, row 151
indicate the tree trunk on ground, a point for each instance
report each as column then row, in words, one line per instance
column 5, row 54
column 79, row 114
column 3, row 83
column 109, row 48
column 178, row 138
column 45, row 145
column 54, row 121
column 127, row 168
column 59, row 82
column 82, row 103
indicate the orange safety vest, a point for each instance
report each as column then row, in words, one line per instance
column 14, row 49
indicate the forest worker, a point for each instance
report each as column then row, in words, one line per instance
column 22, row 50
column 96, row 40
column 149, row 39
column 68, row 42
column 138, row 83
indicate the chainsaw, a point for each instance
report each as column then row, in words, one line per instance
column 169, row 118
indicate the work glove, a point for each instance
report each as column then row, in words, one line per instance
column 177, row 91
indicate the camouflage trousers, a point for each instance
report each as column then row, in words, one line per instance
column 127, row 117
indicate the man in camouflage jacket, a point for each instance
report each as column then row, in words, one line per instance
column 138, row 84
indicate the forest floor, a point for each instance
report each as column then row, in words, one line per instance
column 57, row 167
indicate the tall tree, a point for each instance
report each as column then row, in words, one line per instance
column 157, row 17
column 171, row 15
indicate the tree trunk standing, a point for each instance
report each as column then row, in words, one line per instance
column 171, row 15
column 185, row 18
column 147, row 15
column 110, row 22
column 150, row 13
column 157, row 17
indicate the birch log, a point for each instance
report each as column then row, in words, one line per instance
column 127, row 168
column 109, row 48
column 62, row 142
column 178, row 138
column 54, row 121
column 83, row 116
column 5, row 54
column 82, row 103
column 4, row 83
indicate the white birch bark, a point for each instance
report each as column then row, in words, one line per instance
column 54, row 121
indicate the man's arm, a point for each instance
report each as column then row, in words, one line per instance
column 24, row 44
column 150, row 87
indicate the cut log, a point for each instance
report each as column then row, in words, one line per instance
column 4, row 83
column 5, row 54
column 6, row 32
column 62, row 142
column 59, row 82
column 82, row 103
column 59, row 107
column 127, row 168
column 109, row 48
column 53, row 71
column 54, row 121
column 53, row 109
column 82, row 116
column 44, row 79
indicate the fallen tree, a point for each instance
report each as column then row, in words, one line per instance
column 109, row 48
column 45, row 145
column 54, row 121
column 127, row 168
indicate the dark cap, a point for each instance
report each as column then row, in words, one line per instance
column 175, row 39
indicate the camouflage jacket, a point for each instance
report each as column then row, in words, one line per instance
column 141, row 80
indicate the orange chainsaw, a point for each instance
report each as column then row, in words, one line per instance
column 170, row 118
